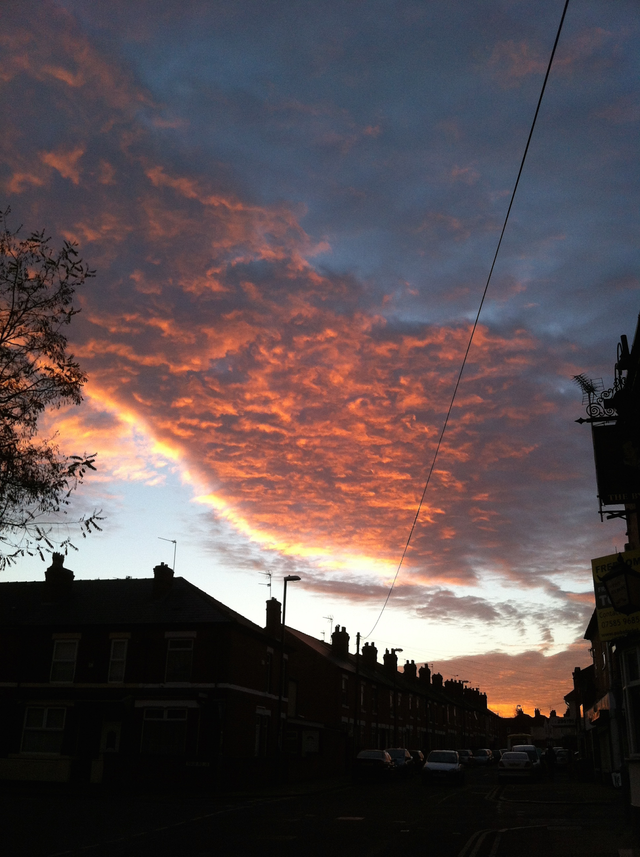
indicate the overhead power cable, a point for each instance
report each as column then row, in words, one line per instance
column 475, row 324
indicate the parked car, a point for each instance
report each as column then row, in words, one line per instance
column 515, row 765
column 563, row 756
column 418, row 759
column 532, row 752
column 374, row 764
column 443, row 765
column 483, row 757
column 465, row 756
column 402, row 760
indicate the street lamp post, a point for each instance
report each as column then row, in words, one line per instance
column 288, row 579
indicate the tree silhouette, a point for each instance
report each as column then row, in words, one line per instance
column 37, row 287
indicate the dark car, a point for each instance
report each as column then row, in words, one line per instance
column 465, row 756
column 418, row 759
column 443, row 766
column 402, row 760
column 373, row 764
column 483, row 757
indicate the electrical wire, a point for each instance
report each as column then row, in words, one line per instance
column 475, row 324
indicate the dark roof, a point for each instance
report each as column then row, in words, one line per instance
column 401, row 682
column 114, row 602
column 592, row 628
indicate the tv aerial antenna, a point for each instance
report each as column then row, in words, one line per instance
column 329, row 619
column 268, row 574
column 175, row 546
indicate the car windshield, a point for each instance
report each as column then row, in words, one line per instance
column 531, row 752
column 515, row 757
column 396, row 754
column 442, row 756
column 371, row 754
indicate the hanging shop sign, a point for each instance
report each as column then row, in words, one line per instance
column 617, row 454
column 616, row 581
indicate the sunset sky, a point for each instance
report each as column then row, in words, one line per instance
column 292, row 208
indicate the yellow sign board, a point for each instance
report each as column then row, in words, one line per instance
column 612, row 624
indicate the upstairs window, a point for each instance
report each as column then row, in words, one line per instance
column 43, row 730
column 179, row 659
column 117, row 661
column 268, row 664
column 63, row 665
column 345, row 691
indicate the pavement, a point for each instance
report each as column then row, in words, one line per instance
column 579, row 817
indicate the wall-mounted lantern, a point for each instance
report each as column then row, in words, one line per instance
column 623, row 587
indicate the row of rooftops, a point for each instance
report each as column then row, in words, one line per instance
column 61, row 599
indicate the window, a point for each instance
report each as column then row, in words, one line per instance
column 63, row 665
column 164, row 730
column 43, row 730
column 345, row 691
column 631, row 678
column 179, row 660
column 262, row 735
column 292, row 699
column 268, row 663
column 117, row 660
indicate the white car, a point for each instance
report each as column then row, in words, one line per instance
column 442, row 765
column 532, row 752
column 515, row 764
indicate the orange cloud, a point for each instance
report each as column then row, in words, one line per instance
column 65, row 162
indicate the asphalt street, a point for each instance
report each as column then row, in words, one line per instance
column 481, row 819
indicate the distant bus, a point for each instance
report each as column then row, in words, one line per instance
column 518, row 738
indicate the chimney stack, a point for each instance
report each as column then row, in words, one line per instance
column 162, row 580
column 340, row 642
column 425, row 674
column 58, row 579
column 274, row 617
column 390, row 662
column 369, row 655
column 410, row 670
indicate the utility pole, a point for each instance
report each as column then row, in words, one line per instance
column 358, row 695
